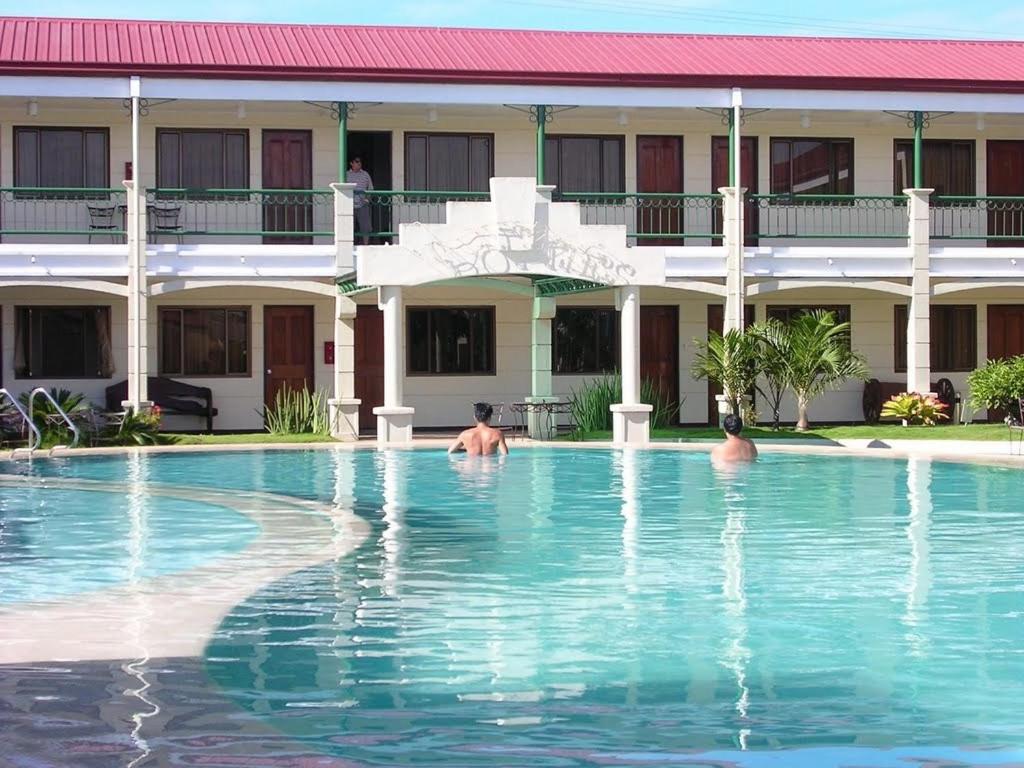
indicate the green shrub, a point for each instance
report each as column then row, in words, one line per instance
column 914, row 408
column 52, row 428
column 297, row 412
column 591, row 405
column 134, row 428
column 731, row 361
column 999, row 385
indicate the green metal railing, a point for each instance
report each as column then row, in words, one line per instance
column 969, row 217
column 390, row 208
column 279, row 214
column 650, row 216
column 95, row 213
column 827, row 216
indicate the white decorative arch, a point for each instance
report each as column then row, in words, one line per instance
column 697, row 286
column 96, row 286
column 882, row 286
column 190, row 284
column 487, row 283
column 944, row 289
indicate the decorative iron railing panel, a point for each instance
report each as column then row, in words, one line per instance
column 828, row 216
column 81, row 214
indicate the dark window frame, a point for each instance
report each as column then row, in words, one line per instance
column 29, row 375
column 950, row 143
column 161, row 371
column 901, row 315
column 18, row 130
column 468, row 135
column 842, row 312
column 243, row 132
column 491, row 341
column 618, row 137
column 833, row 173
column 616, row 341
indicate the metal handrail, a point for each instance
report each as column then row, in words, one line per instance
column 977, row 217
column 33, row 429
column 63, row 414
column 828, row 216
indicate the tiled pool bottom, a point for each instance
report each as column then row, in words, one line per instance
column 579, row 608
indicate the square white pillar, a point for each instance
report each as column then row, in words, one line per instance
column 919, row 312
column 394, row 421
column 631, row 419
column 538, row 424
column 138, row 299
column 344, row 406
column 732, row 238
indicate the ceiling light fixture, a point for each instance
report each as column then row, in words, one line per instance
column 33, row 107
column 241, row 110
column 431, row 115
column 805, row 120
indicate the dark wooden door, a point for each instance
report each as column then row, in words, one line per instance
column 374, row 149
column 659, row 349
column 1005, row 176
column 748, row 179
column 369, row 356
column 716, row 323
column 287, row 350
column 1005, row 330
column 659, row 161
column 287, row 164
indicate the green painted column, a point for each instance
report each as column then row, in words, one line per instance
column 342, row 107
column 542, row 119
column 732, row 149
column 918, row 142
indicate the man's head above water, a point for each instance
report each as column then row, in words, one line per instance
column 732, row 424
column 482, row 412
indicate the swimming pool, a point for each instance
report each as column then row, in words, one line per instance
column 590, row 607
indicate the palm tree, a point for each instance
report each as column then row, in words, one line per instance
column 731, row 360
column 773, row 352
column 818, row 357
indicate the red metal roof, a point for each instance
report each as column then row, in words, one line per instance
column 204, row 49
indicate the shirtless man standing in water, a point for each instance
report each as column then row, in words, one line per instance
column 735, row 448
column 483, row 439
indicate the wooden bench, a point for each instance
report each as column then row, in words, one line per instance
column 877, row 392
column 175, row 398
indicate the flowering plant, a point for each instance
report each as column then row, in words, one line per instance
column 914, row 408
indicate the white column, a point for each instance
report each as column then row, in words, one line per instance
column 394, row 421
column 344, row 406
column 538, row 423
column 344, row 261
column 631, row 419
column 919, row 372
column 135, row 236
column 735, row 289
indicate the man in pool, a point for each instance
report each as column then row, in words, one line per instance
column 483, row 439
column 735, row 448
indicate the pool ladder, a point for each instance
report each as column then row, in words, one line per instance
column 35, row 437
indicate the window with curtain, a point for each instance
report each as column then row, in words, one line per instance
column 449, row 162
column 812, row 166
column 62, row 343
column 585, row 163
column 954, row 337
column 193, row 158
column 62, row 157
column 451, row 340
column 946, row 166
column 203, row 341
column 585, row 340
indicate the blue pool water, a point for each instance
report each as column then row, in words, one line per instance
column 589, row 607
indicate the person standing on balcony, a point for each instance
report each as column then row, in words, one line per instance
column 360, row 204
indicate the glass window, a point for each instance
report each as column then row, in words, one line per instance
column 812, row 166
column 585, row 163
column 457, row 340
column 204, row 341
column 947, row 166
column 62, row 343
column 787, row 313
column 449, row 162
column 62, row 157
column 191, row 158
column 954, row 337
column 585, row 340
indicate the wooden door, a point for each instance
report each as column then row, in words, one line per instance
column 716, row 323
column 369, row 357
column 1005, row 338
column 748, row 179
column 659, row 161
column 1005, row 176
column 659, row 349
column 287, row 164
column 287, row 350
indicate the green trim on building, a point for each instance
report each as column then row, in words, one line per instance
column 555, row 286
column 347, row 286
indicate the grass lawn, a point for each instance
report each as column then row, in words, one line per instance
column 857, row 432
column 248, row 438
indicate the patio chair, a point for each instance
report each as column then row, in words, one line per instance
column 101, row 221
column 165, row 220
column 1015, row 422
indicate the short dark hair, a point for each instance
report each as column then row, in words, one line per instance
column 732, row 424
column 354, row 158
column 482, row 411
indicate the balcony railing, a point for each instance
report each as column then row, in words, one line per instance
column 827, row 217
column 653, row 217
column 996, row 219
column 34, row 214
column 271, row 215
column 391, row 208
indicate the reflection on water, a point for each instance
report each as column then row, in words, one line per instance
column 564, row 608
